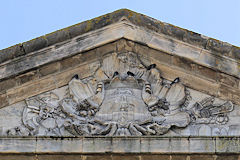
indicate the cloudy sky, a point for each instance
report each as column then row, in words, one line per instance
column 23, row 20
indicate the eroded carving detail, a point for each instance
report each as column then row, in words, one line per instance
column 207, row 112
column 124, row 97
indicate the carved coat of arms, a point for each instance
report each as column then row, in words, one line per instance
column 124, row 97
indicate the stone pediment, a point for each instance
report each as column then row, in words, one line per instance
column 122, row 78
column 125, row 96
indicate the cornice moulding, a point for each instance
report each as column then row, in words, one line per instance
column 136, row 145
column 113, row 32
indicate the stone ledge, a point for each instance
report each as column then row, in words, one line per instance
column 120, row 145
column 115, row 32
column 107, row 156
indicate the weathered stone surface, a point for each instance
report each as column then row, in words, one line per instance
column 135, row 18
column 174, row 31
column 159, row 56
column 18, row 157
column 45, row 83
column 209, row 59
column 59, row 157
column 206, row 72
column 190, row 80
column 105, row 49
column 53, row 54
column 125, row 157
column 218, row 46
column 124, row 45
column 35, row 44
column 235, row 53
column 56, row 37
column 62, row 79
column 70, row 62
column 11, row 116
column 176, row 143
column 11, row 52
column 158, row 42
column 228, row 145
column 178, row 157
column 228, row 157
column 51, row 68
column 227, row 92
column 28, row 90
column 99, row 157
column 65, row 145
column 7, row 84
column 108, row 156
column 182, row 63
column 195, row 39
column 228, row 66
column 202, row 145
column 229, row 80
column 96, row 93
column 3, row 100
column 56, row 145
column 155, row 146
column 33, row 75
column 155, row 157
column 201, row 157
column 107, row 82
column 126, row 145
column 219, row 63
column 26, row 77
column 9, row 145
column 96, row 145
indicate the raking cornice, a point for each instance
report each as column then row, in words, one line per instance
column 127, row 24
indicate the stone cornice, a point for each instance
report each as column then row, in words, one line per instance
column 119, row 145
column 110, row 33
column 219, row 47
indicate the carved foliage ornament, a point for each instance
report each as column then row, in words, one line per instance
column 124, row 97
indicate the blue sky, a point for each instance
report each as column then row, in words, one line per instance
column 22, row 20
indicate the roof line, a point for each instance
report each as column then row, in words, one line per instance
column 138, row 19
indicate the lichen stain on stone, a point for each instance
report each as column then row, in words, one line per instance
column 217, row 62
column 139, row 19
column 221, row 144
column 10, row 47
column 130, row 14
column 88, row 26
column 238, row 66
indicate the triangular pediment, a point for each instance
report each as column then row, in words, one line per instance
column 123, row 74
column 121, row 93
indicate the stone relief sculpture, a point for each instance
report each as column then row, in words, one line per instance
column 206, row 111
column 124, row 97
